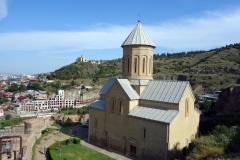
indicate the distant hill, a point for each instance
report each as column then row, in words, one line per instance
column 217, row 68
column 87, row 70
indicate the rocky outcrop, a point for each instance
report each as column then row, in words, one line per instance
column 182, row 78
column 229, row 100
column 88, row 96
column 213, row 70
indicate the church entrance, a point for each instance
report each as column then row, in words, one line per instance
column 124, row 145
column 105, row 138
column 133, row 151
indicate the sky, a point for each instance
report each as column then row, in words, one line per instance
column 40, row 36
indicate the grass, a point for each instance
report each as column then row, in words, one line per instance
column 48, row 131
column 79, row 152
column 13, row 121
column 57, row 125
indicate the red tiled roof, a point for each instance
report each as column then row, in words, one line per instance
column 20, row 98
column 6, row 93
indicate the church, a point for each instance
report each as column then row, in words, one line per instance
column 138, row 116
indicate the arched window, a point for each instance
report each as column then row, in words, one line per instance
column 144, row 133
column 187, row 107
column 150, row 65
column 144, row 64
column 135, row 65
column 112, row 105
column 95, row 122
column 120, row 107
column 123, row 64
column 128, row 61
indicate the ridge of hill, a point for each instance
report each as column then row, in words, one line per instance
column 216, row 69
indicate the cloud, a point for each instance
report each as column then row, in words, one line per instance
column 3, row 9
column 78, row 40
column 212, row 29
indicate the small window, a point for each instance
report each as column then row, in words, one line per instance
column 135, row 65
column 120, row 107
column 143, row 69
column 95, row 122
column 187, row 107
column 113, row 103
column 150, row 65
column 144, row 132
column 128, row 64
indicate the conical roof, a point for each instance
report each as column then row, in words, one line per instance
column 138, row 36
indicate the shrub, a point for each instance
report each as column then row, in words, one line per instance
column 8, row 116
column 52, row 152
column 76, row 140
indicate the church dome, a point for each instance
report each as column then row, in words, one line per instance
column 138, row 36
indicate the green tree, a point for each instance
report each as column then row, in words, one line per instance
column 30, row 96
column 238, row 81
column 3, row 100
column 83, row 87
column 13, row 87
column 50, row 77
column 58, row 84
column 35, row 86
column 208, row 107
column 22, row 88
column 8, row 116
column 73, row 83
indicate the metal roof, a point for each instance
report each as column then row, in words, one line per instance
column 132, row 94
column 139, row 83
column 164, row 91
column 107, row 86
column 138, row 36
column 155, row 114
column 98, row 104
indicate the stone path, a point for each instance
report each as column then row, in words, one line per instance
column 47, row 141
column 103, row 151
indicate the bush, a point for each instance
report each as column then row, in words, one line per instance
column 44, row 131
column 222, row 140
column 8, row 116
column 208, row 107
column 52, row 152
column 76, row 140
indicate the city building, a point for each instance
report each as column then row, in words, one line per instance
column 1, row 112
column 209, row 97
column 141, row 117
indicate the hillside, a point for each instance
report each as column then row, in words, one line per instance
column 86, row 70
column 217, row 68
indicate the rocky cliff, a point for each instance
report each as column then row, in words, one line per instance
column 88, row 96
column 229, row 100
